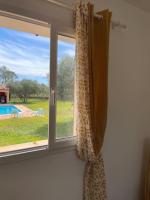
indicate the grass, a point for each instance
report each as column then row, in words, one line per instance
column 31, row 129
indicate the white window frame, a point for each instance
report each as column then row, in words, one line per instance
column 69, row 141
column 54, row 145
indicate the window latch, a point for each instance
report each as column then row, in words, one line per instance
column 52, row 99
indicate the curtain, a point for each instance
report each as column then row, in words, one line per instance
column 91, row 79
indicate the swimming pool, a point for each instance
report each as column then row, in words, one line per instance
column 8, row 109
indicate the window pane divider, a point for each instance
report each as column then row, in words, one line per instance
column 52, row 82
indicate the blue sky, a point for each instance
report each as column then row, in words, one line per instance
column 28, row 55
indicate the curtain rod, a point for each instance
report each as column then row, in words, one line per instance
column 115, row 24
column 58, row 3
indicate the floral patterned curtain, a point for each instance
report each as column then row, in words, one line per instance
column 92, row 36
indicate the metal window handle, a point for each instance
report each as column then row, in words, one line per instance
column 52, row 99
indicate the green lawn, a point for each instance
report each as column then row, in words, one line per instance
column 31, row 129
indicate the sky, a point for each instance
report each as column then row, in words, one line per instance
column 29, row 55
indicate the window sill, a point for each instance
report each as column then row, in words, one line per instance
column 60, row 146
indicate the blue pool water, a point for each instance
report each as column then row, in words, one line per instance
column 8, row 109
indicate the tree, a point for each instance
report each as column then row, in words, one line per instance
column 24, row 89
column 28, row 88
column 7, row 76
column 43, row 90
column 65, row 78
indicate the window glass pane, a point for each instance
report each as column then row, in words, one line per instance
column 65, row 87
column 24, row 85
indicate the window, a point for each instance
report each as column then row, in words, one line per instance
column 65, row 86
column 36, row 86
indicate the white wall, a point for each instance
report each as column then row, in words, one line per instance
column 60, row 176
column 129, row 101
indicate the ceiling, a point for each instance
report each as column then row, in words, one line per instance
column 142, row 4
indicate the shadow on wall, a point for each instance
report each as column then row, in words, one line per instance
column 145, row 164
